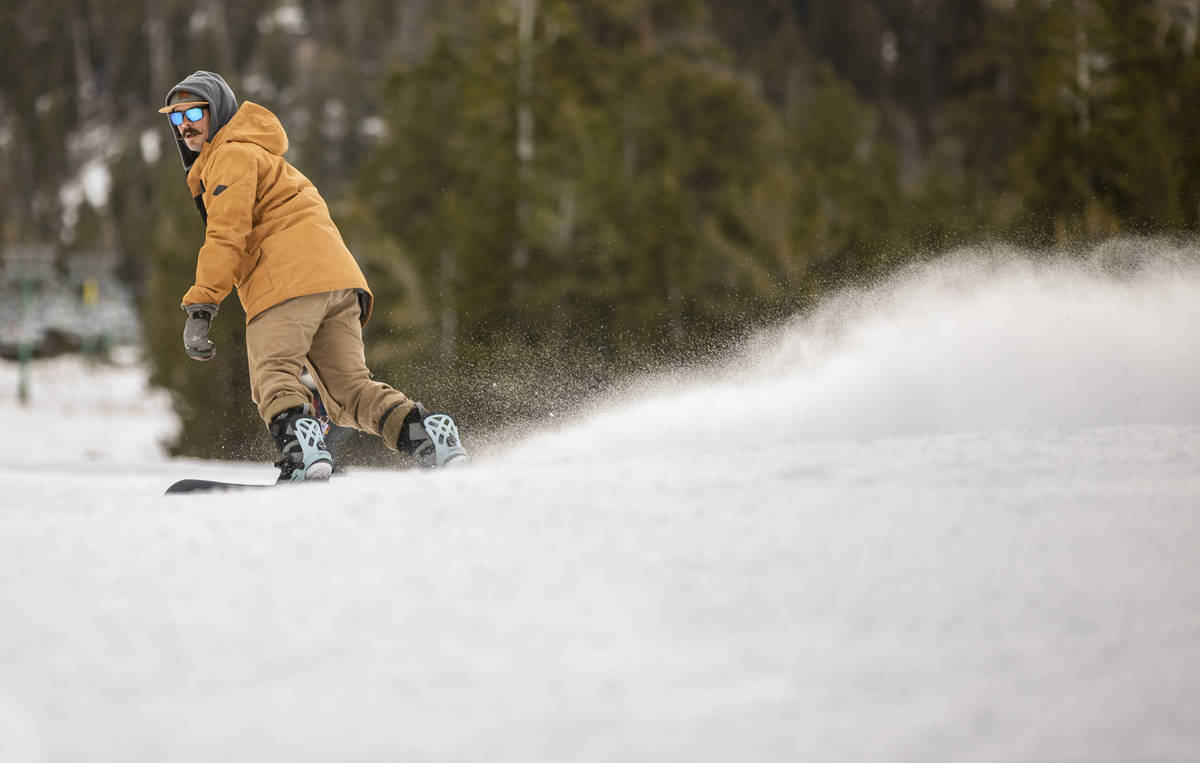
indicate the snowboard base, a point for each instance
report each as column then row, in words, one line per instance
column 208, row 486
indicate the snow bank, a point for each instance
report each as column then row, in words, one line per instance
column 80, row 412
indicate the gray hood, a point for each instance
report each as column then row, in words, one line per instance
column 222, row 105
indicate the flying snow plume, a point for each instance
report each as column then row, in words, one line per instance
column 982, row 339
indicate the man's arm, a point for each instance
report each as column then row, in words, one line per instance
column 231, row 185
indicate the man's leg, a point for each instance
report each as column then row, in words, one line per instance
column 338, row 364
column 277, row 341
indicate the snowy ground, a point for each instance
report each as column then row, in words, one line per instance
column 954, row 518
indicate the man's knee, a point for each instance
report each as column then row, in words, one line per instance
column 276, row 405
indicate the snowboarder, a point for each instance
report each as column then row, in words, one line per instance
column 269, row 233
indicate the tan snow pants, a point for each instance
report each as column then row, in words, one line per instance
column 320, row 333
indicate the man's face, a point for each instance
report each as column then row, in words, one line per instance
column 193, row 133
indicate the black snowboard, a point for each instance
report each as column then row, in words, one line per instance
column 208, row 486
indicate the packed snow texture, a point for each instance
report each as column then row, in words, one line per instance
column 955, row 516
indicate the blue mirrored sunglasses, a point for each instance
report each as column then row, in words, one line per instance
column 193, row 115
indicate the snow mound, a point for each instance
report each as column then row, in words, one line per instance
column 980, row 340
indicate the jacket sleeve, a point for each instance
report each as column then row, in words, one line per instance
column 230, row 186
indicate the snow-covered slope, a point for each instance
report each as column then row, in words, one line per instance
column 79, row 412
column 955, row 517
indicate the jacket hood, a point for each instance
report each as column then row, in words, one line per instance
column 255, row 124
column 251, row 124
column 222, row 105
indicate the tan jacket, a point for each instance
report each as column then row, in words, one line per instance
column 269, row 232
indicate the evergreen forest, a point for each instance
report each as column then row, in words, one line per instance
column 548, row 196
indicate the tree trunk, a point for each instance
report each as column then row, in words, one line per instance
column 218, row 27
column 526, row 19
column 1083, row 69
column 159, row 48
column 414, row 17
column 85, row 74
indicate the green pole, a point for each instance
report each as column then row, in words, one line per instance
column 89, row 297
column 25, row 347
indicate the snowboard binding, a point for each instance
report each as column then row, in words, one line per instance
column 432, row 439
column 443, row 437
column 300, row 438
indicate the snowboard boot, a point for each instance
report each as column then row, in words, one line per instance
column 299, row 437
column 432, row 439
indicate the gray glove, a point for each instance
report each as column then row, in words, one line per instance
column 195, row 331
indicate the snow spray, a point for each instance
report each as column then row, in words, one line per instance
column 983, row 338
